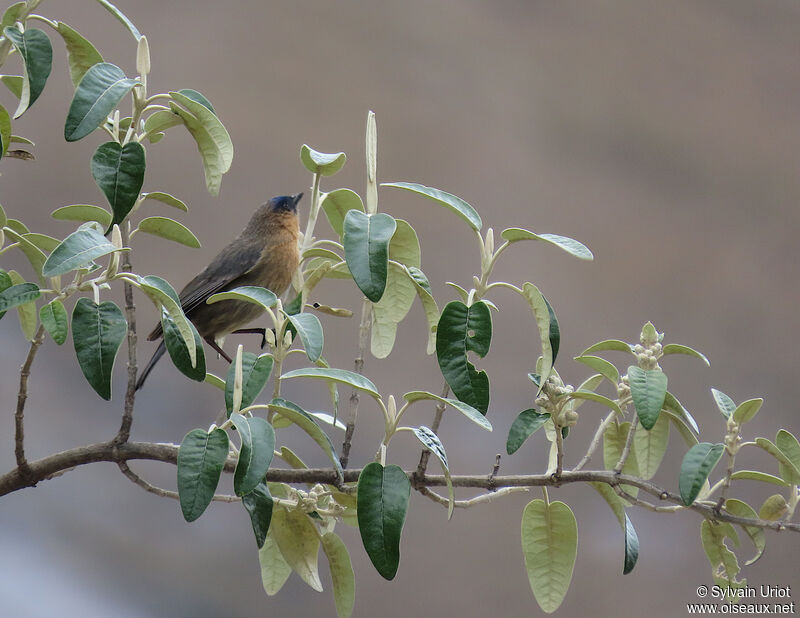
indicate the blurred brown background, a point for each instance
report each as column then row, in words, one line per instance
column 662, row 135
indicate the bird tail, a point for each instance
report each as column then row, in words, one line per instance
column 162, row 347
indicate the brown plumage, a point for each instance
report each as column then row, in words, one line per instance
column 264, row 254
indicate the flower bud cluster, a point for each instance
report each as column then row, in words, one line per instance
column 554, row 400
column 647, row 355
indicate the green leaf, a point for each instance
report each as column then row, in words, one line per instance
column 790, row 447
column 258, row 504
column 198, row 98
column 16, row 295
column 570, row 245
column 255, row 373
column 631, row 538
column 14, row 83
column 83, row 212
column 423, row 288
column 100, row 90
column 3, row 218
column 335, row 375
column 298, row 541
column 614, row 439
column 550, row 546
column 177, row 349
column 201, row 458
column 81, row 54
column 467, row 410
column 274, row 568
column 12, row 13
column 541, row 313
column 36, row 52
column 122, row 18
column 248, row 293
column 448, row 200
column 756, row 534
column 591, row 396
column 160, row 121
column 461, row 330
column 608, row 345
column 15, row 225
column 527, row 422
column 432, row 442
column 77, row 250
column 746, row 410
column 337, row 204
column 42, row 241
column 5, row 133
column 169, row 229
column 97, row 333
column 672, row 404
column 164, row 295
column 648, row 390
column 697, row 464
column 788, row 471
column 601, row 365
column 554, row 333
column 366, row 248
column 211, row 136
column 119, row 172
column 675, row 348
column 255, row 454
column 321, row 163
column 650, row 446
column 382, row 504
column 36, row 256
column 306, row 422
column 755, row 475
column 310, row 331
column 54, row 318
column 722, row 559
column 404, row 246
column 391, row 309
column 26, row 312
column 342, row 576
column 165, row 198
column 724, row 403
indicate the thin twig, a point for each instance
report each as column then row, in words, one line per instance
column 437, row 420
column 726, row 483
column 358, row 367
column 595, row 441
column 22, row 397
column 46, row 467
column 165, row 493
column 465, row 504
column 130, row 313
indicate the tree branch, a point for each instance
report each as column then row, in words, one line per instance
column 358, row 366
column 22, row 397
column 130, row 392
column 54, row 465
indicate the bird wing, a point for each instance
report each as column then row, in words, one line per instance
column 231, row 263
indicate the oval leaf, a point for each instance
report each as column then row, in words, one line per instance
column 255, row 454
column 298, row 540
column 550, row 546
column 321, row 163
column 609, row 344
column 342, row 576
column 337, row 204
column 755, row 475
column 310, row 331
column 335, row 375
column 601, row 366
column 675, row 348
column 98, row 93
column 83, row 212
column 648, row 390
column 54, row 318
column 724, row 403
column 177, row 349
column 448, row 200
column 756, row 534
column 81, row 54
column 255, row 373
column 746, row 410
column 366, row 248
column 542, row 313
column 524, row 426
column 274, row 569
column 165, row 198
column 36, row 52
column 97, row 333
column 169, row 229
column 465, row 329
column 382, row 504
column 248, row 293
column 467, row 410
column 201, row 458
column 119, row 172
column 16, row 295
column 570, row 245
column 650, row 446
column 258, row 504
column 696, row 466
column 432, row 442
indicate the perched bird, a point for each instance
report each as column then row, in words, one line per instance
column 264, row 254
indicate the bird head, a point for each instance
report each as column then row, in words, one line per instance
column 284, row 203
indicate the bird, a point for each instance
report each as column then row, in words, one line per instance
column 264, row 254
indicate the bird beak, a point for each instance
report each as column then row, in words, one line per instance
column 296, row 198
